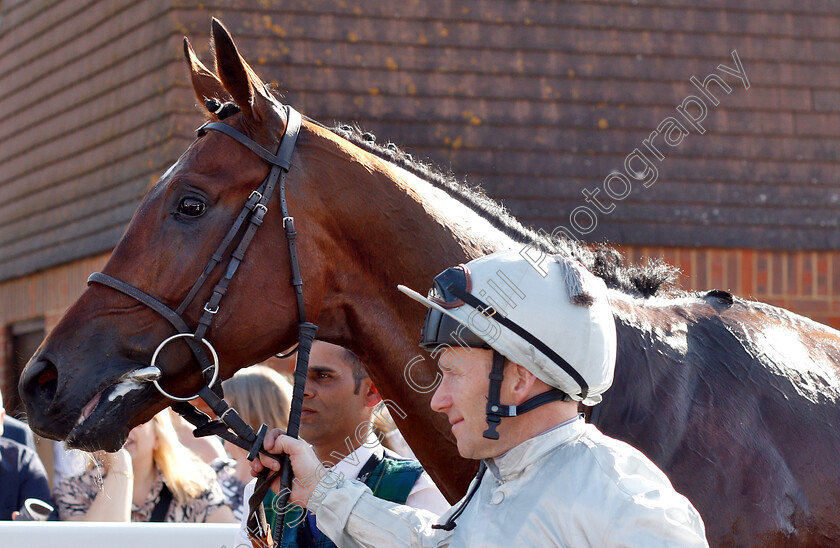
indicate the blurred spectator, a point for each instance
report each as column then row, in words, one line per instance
column 208, row 448
column 152, row 478
column 260, row 395
column 68, row 462
column 22, row 474
column 18, row 431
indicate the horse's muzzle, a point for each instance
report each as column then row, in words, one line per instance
column 38, row 387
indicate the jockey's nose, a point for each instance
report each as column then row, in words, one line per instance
column 441, row 400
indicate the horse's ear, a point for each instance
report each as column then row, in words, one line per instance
column 205, row 84
column 238, row 78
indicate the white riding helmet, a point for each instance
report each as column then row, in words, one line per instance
column 556, row 322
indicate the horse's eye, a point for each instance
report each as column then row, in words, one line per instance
column 191, row 207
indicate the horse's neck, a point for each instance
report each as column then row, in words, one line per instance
column 446, row 226
column 464, row 226
column 396, row 229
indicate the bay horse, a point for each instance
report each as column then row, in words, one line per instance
column 734, row 400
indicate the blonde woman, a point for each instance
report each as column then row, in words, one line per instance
column 208, row 448
column 260, row 395
column 152, row 478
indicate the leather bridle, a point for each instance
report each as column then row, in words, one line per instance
column 230, row 426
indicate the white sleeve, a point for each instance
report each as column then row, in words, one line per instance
column 426, row 496
column 242, row 540
column 350, row 515
column 657, row 519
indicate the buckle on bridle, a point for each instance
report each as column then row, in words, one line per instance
column 207, row 309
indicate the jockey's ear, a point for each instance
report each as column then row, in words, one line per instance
column 206, row 85
column 520, row 384
column 237, row 77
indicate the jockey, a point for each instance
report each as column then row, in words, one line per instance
column 523, row 344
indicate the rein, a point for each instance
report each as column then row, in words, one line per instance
column 230, row 425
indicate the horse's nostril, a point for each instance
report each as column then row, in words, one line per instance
column 47, row 376
column 39, row 382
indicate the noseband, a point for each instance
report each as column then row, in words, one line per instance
column 230, row 426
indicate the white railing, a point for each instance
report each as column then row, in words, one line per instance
column 38, row 534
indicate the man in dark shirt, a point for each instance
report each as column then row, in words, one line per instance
column 21, row 474
column 18, row 431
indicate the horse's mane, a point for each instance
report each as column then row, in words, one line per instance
column 601, row 259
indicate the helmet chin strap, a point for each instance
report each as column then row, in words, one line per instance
column 495, row 410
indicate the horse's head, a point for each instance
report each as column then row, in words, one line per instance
column 89, row 382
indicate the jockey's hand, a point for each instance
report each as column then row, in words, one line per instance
column 308, row 470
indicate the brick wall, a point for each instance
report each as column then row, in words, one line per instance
column 806, row 282
column 537, row 101
column 84, row 123
column 45, row 294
